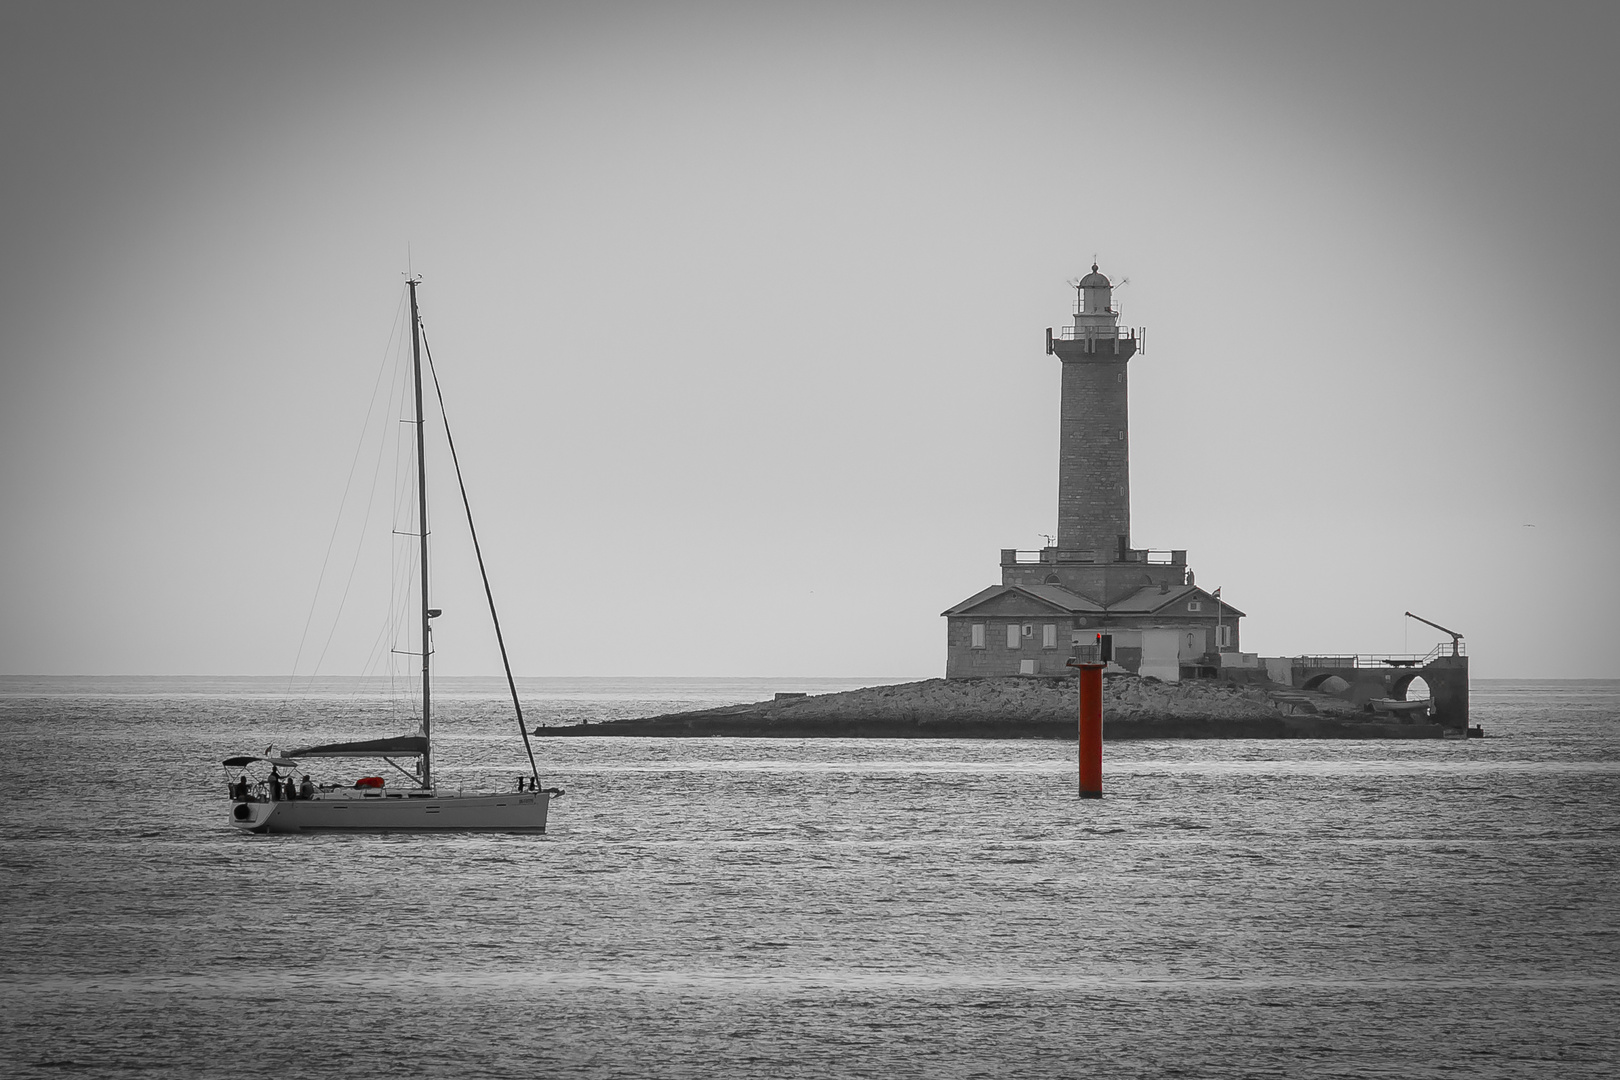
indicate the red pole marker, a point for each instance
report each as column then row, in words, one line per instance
column 1090, row 729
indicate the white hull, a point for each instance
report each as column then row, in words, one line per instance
column 344, row 811
column 1392, row 705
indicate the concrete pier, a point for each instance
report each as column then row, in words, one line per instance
column 1364, row 679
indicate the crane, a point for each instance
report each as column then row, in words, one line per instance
column 1456, row 638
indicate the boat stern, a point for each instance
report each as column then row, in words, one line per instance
column 256, row 817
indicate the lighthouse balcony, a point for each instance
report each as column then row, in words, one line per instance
column 1073, row 342
column 1104, row 333
column 1150, row 556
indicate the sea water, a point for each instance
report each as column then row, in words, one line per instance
column 806, row 908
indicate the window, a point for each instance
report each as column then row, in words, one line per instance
column 978, row 635
column 1195, row 605
column 1029, row 630
column 1049, row 636
column 1012, row 635
column 1190, row 644
column 1223, row 636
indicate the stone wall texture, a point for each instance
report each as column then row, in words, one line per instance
column 1094, row 481
column 962, row 660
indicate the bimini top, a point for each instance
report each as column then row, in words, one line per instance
column 397, row 746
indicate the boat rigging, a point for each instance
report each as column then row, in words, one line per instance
column 278, row 804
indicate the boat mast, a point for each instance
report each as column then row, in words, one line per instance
column 422, row 530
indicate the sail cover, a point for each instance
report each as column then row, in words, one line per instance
column 398, row 746
column 240, row 762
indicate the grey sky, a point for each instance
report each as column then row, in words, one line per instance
column 741, row 307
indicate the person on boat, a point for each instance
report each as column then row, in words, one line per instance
column 306, row 790
column 239, row 790
column 275, row 784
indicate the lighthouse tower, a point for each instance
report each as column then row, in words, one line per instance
column 1094, row 473
column 1091, row 590
column 1093, row 555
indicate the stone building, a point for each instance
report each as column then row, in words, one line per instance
column 1092, row 593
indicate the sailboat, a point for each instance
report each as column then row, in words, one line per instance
column 281, row 804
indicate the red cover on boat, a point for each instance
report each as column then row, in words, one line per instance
column 369, row 781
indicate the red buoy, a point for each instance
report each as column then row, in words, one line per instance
column 1091, row 730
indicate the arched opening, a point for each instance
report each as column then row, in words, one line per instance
column 1411, row 688
column 1326, row 684
column 1052, row 579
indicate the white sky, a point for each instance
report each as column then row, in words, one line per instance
column 740, row 309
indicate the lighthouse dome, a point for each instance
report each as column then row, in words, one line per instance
column 1095, row 280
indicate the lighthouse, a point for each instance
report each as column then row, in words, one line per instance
column 1092, row 593
column 1094, row 469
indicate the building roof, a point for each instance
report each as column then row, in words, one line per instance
column 1095, row 280
column 1057, row 594
column 1052, row 596
column 1148, row 600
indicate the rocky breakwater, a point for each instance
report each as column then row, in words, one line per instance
column 1021, row 707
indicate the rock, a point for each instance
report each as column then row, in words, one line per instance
column 1012, row 707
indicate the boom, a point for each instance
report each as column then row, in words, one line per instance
column 1455, row 637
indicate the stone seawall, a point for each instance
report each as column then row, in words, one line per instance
column 1018, row 707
